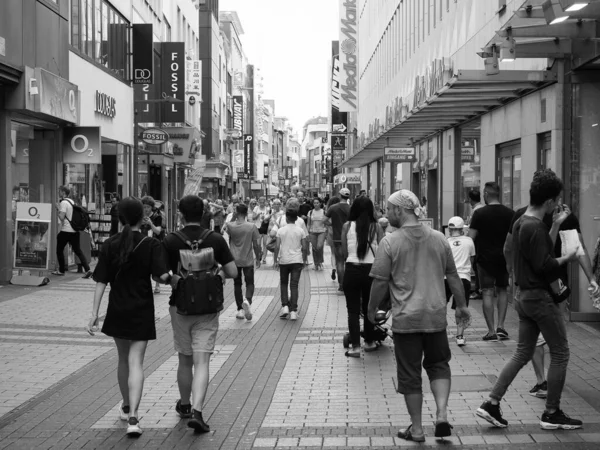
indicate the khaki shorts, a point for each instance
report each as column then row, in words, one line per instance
column 194, row 333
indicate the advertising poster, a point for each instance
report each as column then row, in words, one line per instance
column 32, row 236
column 339, row 120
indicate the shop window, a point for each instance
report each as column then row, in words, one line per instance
column 101, row 34
column 545, row 150
column 509, row 173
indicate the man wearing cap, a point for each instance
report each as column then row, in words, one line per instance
column 339, row 214
column 463, row 251
column 409, row 270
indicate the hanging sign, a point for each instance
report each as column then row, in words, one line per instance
column 143, row 53
column 81, row 145
column 248, row 154
column 154, row 136
column 173, row 81
column 399, row 155
column 32, row 236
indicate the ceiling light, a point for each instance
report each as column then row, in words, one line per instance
column 576, row 7
column 573, row 5
column 559, row 20
column 508, row 50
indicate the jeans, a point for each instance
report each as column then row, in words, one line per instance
column 290, row 273
column 538, row 313
column 317, row 240
column 237, row 285
column 62, row 240
column 339, row 261
column 357, row 285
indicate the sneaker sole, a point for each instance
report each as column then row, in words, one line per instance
column 544, row 395
column 554, row 426
column 247, row 313
column 197, row 427
column 485, row 415
column 134, row 431
column 461, row 345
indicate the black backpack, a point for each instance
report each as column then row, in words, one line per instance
column 81, row 216
column 200, row 290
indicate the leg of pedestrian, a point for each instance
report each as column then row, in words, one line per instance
column 284, row 273
column 540, row 390
column 352, row 292
column 295, row 274
column 238, row 294
column 123, row 376
column 249, row 280
column 185, row 377
column 199, row 387
column 502, row 295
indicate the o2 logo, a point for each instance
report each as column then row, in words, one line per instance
column 33, row 212
column 83, row 148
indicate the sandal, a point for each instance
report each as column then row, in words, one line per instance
column 352, row 354
column 408, row 436
column 443, row 429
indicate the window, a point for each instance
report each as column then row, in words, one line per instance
column 545, row 150
column 509, row 173
column 99, row 32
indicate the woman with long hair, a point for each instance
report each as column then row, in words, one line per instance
column 360, row 238
column 329, row 235
column 316, row 229
column 127, row 261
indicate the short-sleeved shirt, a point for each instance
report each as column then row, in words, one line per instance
column 206, row 218
column 463, row 249
column 339, row 214
column 66, row 206
column 172, row 244
column 492, row 223
column 290, row 250
column 259, row 214
column 304, row 209
column 157, row 221
column 241, row 239
column 414, row 260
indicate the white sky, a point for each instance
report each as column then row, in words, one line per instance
column 290, row 40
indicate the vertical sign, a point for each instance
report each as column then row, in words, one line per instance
column 249, row 155
column 348, row 56
column 238, row 113
column 339, row 120
column 193, row 78
column 149, row 112
column 143, row 53
column 173, row 80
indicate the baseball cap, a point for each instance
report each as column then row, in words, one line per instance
column 456, row 222
column 345, row 192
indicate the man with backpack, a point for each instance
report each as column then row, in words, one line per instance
column 194, row 335
column 73, row 219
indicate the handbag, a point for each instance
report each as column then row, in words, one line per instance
column 559, row 290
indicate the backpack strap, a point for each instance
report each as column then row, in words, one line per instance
column 187, row 241
column 72, row 203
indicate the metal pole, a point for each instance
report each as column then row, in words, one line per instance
column 135, row 154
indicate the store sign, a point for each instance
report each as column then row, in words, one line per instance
column 399, row 155
column 339, row 120
column 105, row 105
column 81, row 145
column 32, row 236
column 149, row 111
column 57, row 97
column 248, row 154
column 154, row 136
column 435, row 78
column 238, row 113
column 467, row 154
column 353, row 178
column 173, row 81
column 186, row 144
column 338, row 142
column 193, row 78
column 143, row 53
column 348, row 56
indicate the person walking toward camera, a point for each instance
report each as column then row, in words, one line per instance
column 127, row 260
column 316, row 227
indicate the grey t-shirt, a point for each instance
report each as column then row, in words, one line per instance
column 414, row 260
column 241, row 237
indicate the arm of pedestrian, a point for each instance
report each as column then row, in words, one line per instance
column 345, row 241
column 92, row 325
column 473, row 234
column 586, row 266
column 256, row 244
column 380, row 233
column 276, row 253
column 380, row 293
column 507, row 250
column 230, row 270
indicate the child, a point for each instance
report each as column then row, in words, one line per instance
column 463, row 250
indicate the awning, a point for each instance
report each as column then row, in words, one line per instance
column 468, row 94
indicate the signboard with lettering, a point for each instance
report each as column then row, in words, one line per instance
column 238, row 113
column 105, row 105
column 338, row 142
column 399, row 155
column 154, row 136
column 467, row 154
column 81, row 145
column 149, row 112
column 348, row 55
column 193, row 77
column 248, row 154
column 143, row 53
column 32, row 236
column 339, row 119
column 353, row 178
column 173, row 80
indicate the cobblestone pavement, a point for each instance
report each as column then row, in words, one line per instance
column 274, row 383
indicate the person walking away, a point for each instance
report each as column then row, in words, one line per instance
column 475, row 202
column 243, row 238
column 114, row 215
column 463, row 252
column 152, row 225
column 262, row 217
column 218, row 215
column 489, row 227
column 316, row 228
column 291, row 239
column 540, row 389
column 67, row 235
column 194, row 337
column 339, row 215
column 535, row 268
column 207, row 217
column 126, row 261
column 360, row 239
column 329, row 235
column 409, row 270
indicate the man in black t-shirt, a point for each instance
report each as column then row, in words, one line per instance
column 488, row 229
column 339, row 214
column 194, row 336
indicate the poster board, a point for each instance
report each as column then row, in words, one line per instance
column 32, row 236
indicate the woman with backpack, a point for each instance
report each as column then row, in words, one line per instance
column 361, row 235
column 127, row 260
column 316, row 229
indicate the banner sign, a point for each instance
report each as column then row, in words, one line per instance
column 248, row 154
column 193, row 78
column 348, row 56
column 339, row 120
column 467, row 154
column 338, row 142
column 399, row 155
column 149, row 112
column 353, row 178
column 238, row 113
column 32, row 236
column 143, row 53
column 81, row 145
column 173, row 80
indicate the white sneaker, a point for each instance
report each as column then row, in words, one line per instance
column 133, row 427
column 293, row 315
column 122, row 414
column 284, row 313
column 247, row 310
column 240, row 314
column 460, row 341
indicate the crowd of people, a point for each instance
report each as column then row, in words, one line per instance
column 385, row 262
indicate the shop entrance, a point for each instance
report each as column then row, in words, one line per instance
column 155, row 182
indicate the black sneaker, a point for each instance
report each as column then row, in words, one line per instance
column 333, row 274
column 198, row 423
column 492, row 414
column 502, row 334
column 540, row 390
column 559, row 420
column 490, row 337
column 88, row 274
column 184, row 411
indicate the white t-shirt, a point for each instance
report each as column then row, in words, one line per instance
column 290, row 250
column 259, row 214
column 281, row 222
column 66, row 207
column 462, row 250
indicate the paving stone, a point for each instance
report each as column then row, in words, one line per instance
column 334, row 441
column 265, row 442
column 590, row 437
column 519, row 438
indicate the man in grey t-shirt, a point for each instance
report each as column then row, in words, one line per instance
column 409, row 269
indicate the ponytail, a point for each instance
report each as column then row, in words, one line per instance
column 131, row 213
column 125, row 245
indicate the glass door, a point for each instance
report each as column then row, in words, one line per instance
column 509, row 173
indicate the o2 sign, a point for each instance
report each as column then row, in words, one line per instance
column 82, row 145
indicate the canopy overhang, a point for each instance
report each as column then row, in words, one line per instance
column 467, row 95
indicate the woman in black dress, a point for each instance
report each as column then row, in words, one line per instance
column 127, row 261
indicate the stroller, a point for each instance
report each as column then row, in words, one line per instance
column 380, row 332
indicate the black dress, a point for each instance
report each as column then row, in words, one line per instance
column 130, row 313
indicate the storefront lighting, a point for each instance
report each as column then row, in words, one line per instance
column 508, row 50
column 573, row 5
column 559, row 20
column 553, row 14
